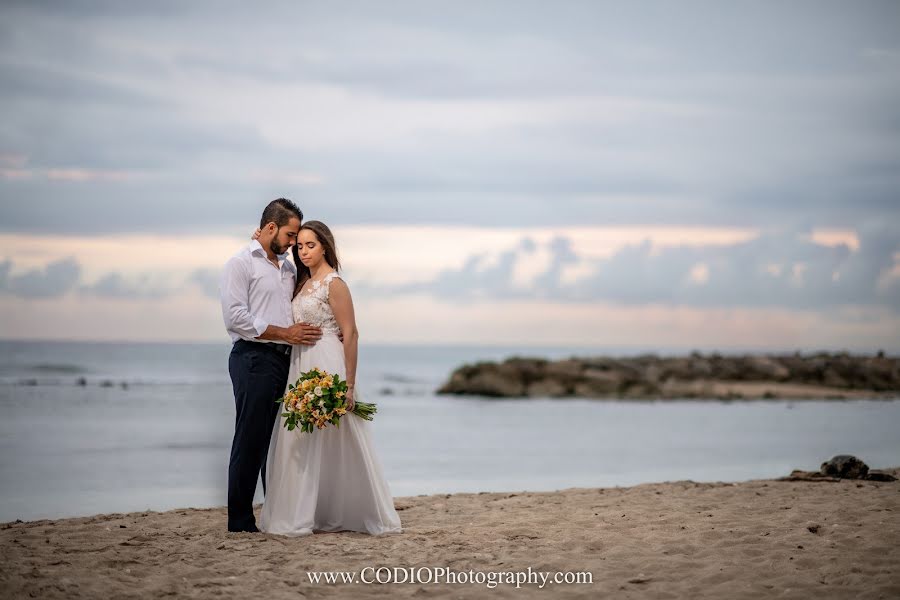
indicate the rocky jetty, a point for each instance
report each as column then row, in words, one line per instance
column 794, row 376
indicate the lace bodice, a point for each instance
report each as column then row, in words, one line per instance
column 311, row 305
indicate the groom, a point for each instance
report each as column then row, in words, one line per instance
column 256, row 290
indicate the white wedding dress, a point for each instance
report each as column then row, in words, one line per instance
column 330, row 479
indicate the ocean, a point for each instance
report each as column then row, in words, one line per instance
column 91, row 428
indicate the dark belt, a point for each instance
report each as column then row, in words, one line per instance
column 280, row 349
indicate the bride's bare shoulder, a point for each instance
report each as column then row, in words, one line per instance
column 337, row 285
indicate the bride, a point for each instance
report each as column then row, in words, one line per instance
column 331, row 479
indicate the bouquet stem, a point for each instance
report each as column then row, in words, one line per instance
column 364, row 410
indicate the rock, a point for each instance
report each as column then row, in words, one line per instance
column 833, row 378
column 527, row 369
column 495, row 384
column 565, row 368
column 798, row 475
column 677, row 368
column 880, row 476
column 766, row 369
column 845, row 467
column 602, row 382
column 728, row 368
column 485, row 379
column 590, row 389
column 547, row 387
column 652, row 374
column 642, row 390
column 880, row 373
column 700, row 368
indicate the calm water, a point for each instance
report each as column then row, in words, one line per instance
column 162, row 441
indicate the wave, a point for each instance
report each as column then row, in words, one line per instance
column 57, row 368
column 108, row 382
column 55, row 377
column 395, row 378
column 211, row 445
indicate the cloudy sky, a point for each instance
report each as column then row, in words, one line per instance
column 656, row 174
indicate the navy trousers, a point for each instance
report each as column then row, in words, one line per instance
column 259, row 376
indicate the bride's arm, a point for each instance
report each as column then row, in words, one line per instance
column 342, row 307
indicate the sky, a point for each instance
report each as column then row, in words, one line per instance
column 586, row 174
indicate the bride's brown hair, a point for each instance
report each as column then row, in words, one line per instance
column 326, row 238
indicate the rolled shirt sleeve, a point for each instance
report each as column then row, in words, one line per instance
column 235, row 292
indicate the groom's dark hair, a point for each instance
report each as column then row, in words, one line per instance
column 280, row 211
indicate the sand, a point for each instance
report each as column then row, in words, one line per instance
column 754, row 539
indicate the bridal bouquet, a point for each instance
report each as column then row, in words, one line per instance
column 317, row 398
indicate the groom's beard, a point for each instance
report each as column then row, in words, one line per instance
column 276, row 248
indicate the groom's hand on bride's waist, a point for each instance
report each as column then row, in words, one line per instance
column 303, row 333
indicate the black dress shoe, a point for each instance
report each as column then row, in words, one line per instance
column 247, row 529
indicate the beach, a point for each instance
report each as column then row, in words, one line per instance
column 679, row 539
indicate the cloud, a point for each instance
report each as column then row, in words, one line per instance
column 52, row 281
column 208, row 281
column 776, row 269
column 782, row 268
column 5, row 268
column 117, row 286
column 77, row 175
column 562, row 255
column 61, row 277
column 516, row 114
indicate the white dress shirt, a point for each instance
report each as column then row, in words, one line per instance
column 255, row 293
